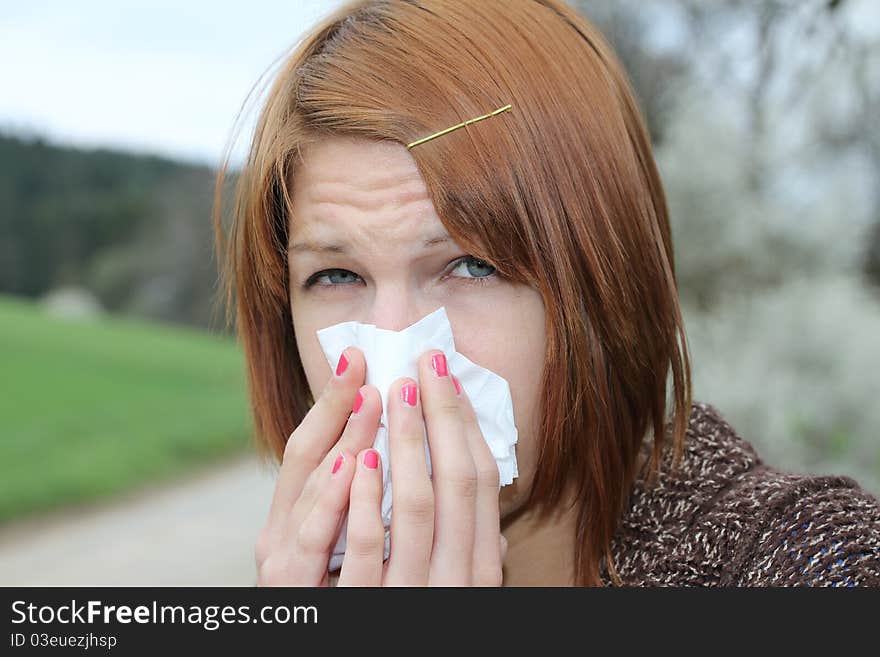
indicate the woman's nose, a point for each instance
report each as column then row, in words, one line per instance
column 395, row 309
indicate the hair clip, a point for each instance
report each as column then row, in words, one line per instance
column 460, row 125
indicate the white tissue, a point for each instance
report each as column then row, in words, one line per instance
column 393, row 354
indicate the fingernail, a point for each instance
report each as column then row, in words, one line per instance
column 438, row 361
column 338, row 463
column 342, row 365
column 457, row 386
column 410, row 394
column 358, row 400
column 371, row 459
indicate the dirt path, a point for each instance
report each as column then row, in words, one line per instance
column 197, row 533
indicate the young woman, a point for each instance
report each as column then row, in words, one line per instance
column 490, row 157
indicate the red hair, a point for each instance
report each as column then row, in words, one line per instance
column 561, row 193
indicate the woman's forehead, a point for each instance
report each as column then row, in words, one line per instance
column 364, row 163
column 350, row 190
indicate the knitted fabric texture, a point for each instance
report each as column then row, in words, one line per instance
column 725, row 518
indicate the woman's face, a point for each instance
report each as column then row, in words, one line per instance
column 366, row 245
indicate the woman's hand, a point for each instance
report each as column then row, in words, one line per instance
column 444, row 532
column 313, row 486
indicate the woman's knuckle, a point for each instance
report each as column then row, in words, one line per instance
column 463, row 480
column 418, row 505
column 362, row 541
column 308, row 542
column 488, row 476
column 449, row 409
column 293, row 448
column 272, row 572
column 410, row 430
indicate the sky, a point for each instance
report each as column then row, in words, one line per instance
column 161, row 76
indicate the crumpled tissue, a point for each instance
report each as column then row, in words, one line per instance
column 393, row 354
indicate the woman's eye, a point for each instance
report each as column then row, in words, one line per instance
column 468, row 267
column 333, row 276
column 474, row 267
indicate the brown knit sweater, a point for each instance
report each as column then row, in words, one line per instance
column 724, row 518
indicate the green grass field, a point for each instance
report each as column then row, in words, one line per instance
column 92, row 408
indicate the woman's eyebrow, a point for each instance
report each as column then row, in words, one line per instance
column 324, row 247
column 309, row 247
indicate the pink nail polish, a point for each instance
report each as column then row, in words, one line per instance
column 410, row 394
column 457, row 385
column 438, row 361
column 338, row 463
column 371, row 459
column 358, row 401
column 342, row 365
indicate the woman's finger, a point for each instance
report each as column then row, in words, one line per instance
column 315, row 435
column 362, row 425
column 454, row 474
column 360, row 432
column 302, row 559
column 488, row 544
column 365, row 537
column 412, row 494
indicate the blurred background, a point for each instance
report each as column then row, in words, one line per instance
column 125, row 452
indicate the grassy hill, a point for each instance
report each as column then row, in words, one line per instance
column 91, row 408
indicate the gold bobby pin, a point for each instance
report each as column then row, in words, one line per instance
column 460, row 125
